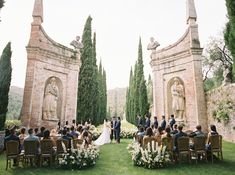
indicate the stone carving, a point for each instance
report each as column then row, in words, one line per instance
column 77, row 44
column 153, row 44
column 178, row 99
column 50, row 101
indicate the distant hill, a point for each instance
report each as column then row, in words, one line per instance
column 15, row 102
column 116, row 101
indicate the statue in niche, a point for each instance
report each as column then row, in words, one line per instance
column 153, row 44
column 49, row 109
column 77, row 44
column 178, row 99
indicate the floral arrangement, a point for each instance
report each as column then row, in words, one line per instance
column 80, row 158
column 150, row 157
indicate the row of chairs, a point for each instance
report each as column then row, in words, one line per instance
column 34, row 150
column 196, row 149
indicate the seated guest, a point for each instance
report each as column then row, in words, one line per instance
column 212, row 132
column 7, row 132
column 46, row 134
column 69, row 134
column 53, row 136
column 178, row 135
column 79, row 130
column 168, row 142
column 148, row 136
column 140, row 135
column 32, row 137
column 65, row 137
column 12, row 137
column 158, row 136
column 163, row 123
column 73, row 133
column 175, row 130
column 41, row 134
column 86, row 137
column 35, row 131
column 198, row 132
column 66, row 124
column 22, row 136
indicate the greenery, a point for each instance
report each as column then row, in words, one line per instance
column 92, row 96
column 10, row 123
column 114, row 160
column 5, row 82
column 1, row 3
column 223, row 110
column 136, row 97
column 229, row 34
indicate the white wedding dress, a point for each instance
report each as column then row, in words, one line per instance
column 105, row 135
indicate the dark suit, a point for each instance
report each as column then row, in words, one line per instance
column 155, row 123
column 117, row 128
column 147, row 123
column 163, row 124
column 65, row 137
column 172, row 122
column 11, row 138
column 113, row 132
column 139, row 122
column 178, row 135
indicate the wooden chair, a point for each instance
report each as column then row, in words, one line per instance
column 199, row 147
column 216, row 146
column 149, row 140
column 59, row 148
column 46, row 150
column 12, row 152
column 77, row 143
column 30, row 151
column 183, row 147
column 168, row 142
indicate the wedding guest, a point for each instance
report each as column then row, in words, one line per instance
column 141, row 132
column 32, row 137
column 148, row 137
column 147, row 121
column 175, row 129
column 35, row 131
column 46, row 135
column 177, row 136
column 167, row 142
column 198, row 132
column 53, row 136
column 73, row 133
column 86, row 138
column 65, row 137
column 158, row 136
column 163, row 123
column 155, row 122
column 66, row 124
column 22, row 136
column 139, row 121
column 212, row 132
column 79, row 131
column 73, row 123
column 172, row 121
column 41, row 134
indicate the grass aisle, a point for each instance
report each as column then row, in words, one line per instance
column 115, row 160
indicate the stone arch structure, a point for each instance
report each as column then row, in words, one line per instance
column 183, row 60
column 46, row 59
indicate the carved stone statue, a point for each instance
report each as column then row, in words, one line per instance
column 153, row 44
column 77, row 44
column 49, row 109
column 178, row 99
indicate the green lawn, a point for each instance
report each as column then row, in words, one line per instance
column 115, row 160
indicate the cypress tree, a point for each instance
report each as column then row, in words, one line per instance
column 100, row 94
column 104, row 100
column 229, row 34
column 5, row 82
column 85, row 84
column 143, row 98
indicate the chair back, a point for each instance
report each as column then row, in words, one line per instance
column 30, row 147
column 46, row 146
column 168, row 142
column 12, row 148
column 215, row 141
column 183, row 144
column 199, row 143
column 77, row 143
column 60, row 147
column 149, row 140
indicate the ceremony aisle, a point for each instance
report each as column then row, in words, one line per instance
column 114, row 159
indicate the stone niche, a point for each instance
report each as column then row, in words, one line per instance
column 50, row 66
column 181, row 60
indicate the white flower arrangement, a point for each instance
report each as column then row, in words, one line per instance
column 151, row 157
column 80, row 158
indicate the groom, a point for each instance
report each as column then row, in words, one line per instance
column 117, row 128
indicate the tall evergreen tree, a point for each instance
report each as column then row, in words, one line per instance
column 150, row 90
column 5, row 82
column 229, row 34
column 85, row 84
column 143, row 98
column 95, row 90
column 1, row 3
column 104, row 100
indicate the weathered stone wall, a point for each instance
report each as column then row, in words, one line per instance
column 226, row 96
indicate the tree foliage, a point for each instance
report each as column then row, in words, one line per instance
column 136, row 96
column 5, row 82
column 1, row 3
column 229, row 34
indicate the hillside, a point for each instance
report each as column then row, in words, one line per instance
column 116, row 101
column 15, row 102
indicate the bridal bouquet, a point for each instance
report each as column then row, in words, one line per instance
column 150, row 157
column 80, row 158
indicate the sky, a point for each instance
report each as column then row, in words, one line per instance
column 118, row 25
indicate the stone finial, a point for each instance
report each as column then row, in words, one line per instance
column 38, row 11
column 191, row 15
column 76, row 43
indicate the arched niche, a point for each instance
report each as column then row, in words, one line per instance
column 52, row 99
column 170, row 98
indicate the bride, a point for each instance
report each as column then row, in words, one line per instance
column 105, row 135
